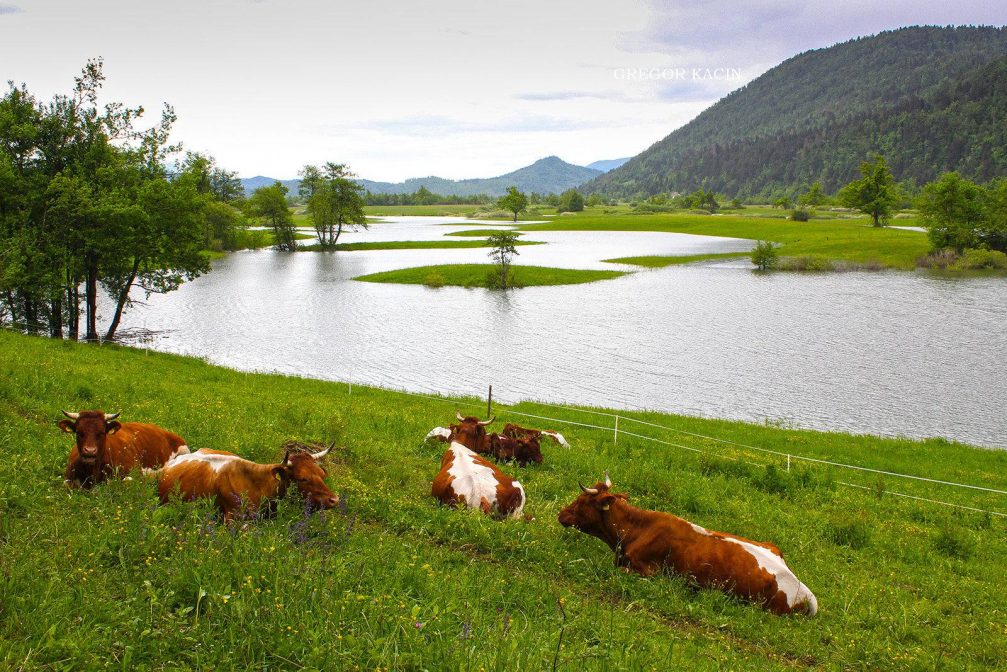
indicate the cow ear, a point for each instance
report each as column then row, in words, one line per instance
column 67, row 426
column 280, row 471
column 112, row 427
column 604, row 501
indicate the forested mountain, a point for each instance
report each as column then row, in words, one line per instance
column 930, row 99
column 549, row 175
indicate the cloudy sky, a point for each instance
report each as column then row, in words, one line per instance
column 457, row 88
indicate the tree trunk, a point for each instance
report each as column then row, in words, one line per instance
column 73, row 300
column 121, row 303
column 91, row 300
column 515, row 215
column 30, row 315
column 56, row 318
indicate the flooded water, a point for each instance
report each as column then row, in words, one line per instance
column 882, row 353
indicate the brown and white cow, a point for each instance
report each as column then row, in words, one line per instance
column 648, row 542
column 517, row 432
column 471, row 433
column 471, row 480
column 243, row 487
column 106, row 448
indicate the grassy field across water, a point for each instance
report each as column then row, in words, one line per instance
column 106, row 579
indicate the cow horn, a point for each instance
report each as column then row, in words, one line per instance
column 109, row 417
column 608, row 481
column 487, row 422
column 322, row 453
column 459, row 416
column 72, row 416
column 590, row 491
column 286, row 457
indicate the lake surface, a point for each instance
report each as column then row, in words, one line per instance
column 884, row 353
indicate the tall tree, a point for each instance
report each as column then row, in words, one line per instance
column 335, row 201
column 503, row 248
column 874, row 194
column 960, row 214
column 514, row 201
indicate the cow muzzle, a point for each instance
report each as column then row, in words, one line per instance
column 89, row 453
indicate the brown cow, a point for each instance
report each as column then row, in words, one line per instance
column 471, row 480
column 106, row 448
column 647, row 542
column 518, row 432
column 241, row 486
column 471, row 433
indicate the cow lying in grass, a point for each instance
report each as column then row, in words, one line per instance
column 471, row 480
column 106, row 448
column 648, row 542
column 242, row 487
column 520, row 446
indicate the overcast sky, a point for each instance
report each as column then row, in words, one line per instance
column 465, row 88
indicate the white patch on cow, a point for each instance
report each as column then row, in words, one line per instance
column 557, row 436
column 216, row 462
column 473, row 482
column 516, row 513
column 786, row 580
column 181, row 450
column 442, row 432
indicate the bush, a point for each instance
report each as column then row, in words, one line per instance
column 981, row 259
column 941, row 259
column 856, row 534
column 765, row 255
column 434, row 279
column 800, row 215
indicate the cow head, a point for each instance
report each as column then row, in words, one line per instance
column 303, row 471
column 587, row 513
column 90, row 428
column 470, row 431
column 528, row 450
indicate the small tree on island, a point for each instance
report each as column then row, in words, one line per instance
column 503, row 249
column 515, row 201
column 571, row 201
column 334, row 201
column 874, row 194
column 765, row 256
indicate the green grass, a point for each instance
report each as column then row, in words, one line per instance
column 107, row 580
column 849, row 240
column 662, row 261
column 408, row 245
column 474, row 275
column 477, row 233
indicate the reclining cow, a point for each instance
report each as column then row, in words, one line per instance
column 242, row 487
column 648, row 542
column 517, row 432
column 106, row 448
column 471, row 433
column 471, row 480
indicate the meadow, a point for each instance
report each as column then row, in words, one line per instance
column 106, row 579
column 476, row 275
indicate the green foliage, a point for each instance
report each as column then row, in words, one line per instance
column 955, row 542
column 765, row 255
column 874, row 194
column 805, row 262
column 982, row 260
column 334, row 200
column 853, row 533
column 503, row 244
column 476, row 275
column 515, row 201
column 931, row 98
column 961, row 214
column 570, row 201
column 814, row 197
column 783, row 203
column 434, row 279
column 799, row 215
column 269, row 204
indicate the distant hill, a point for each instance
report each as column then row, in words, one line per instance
column 606, row 165
column 930, row 99
column 548, row 175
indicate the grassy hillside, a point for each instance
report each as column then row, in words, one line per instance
column 781, row 129
column 106, row 579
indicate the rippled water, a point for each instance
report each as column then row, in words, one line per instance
column 885, row 353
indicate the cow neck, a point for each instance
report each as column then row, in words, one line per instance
column 622, row 521
column 263, row 473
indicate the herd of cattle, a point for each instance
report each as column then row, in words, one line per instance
column 645, row 542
